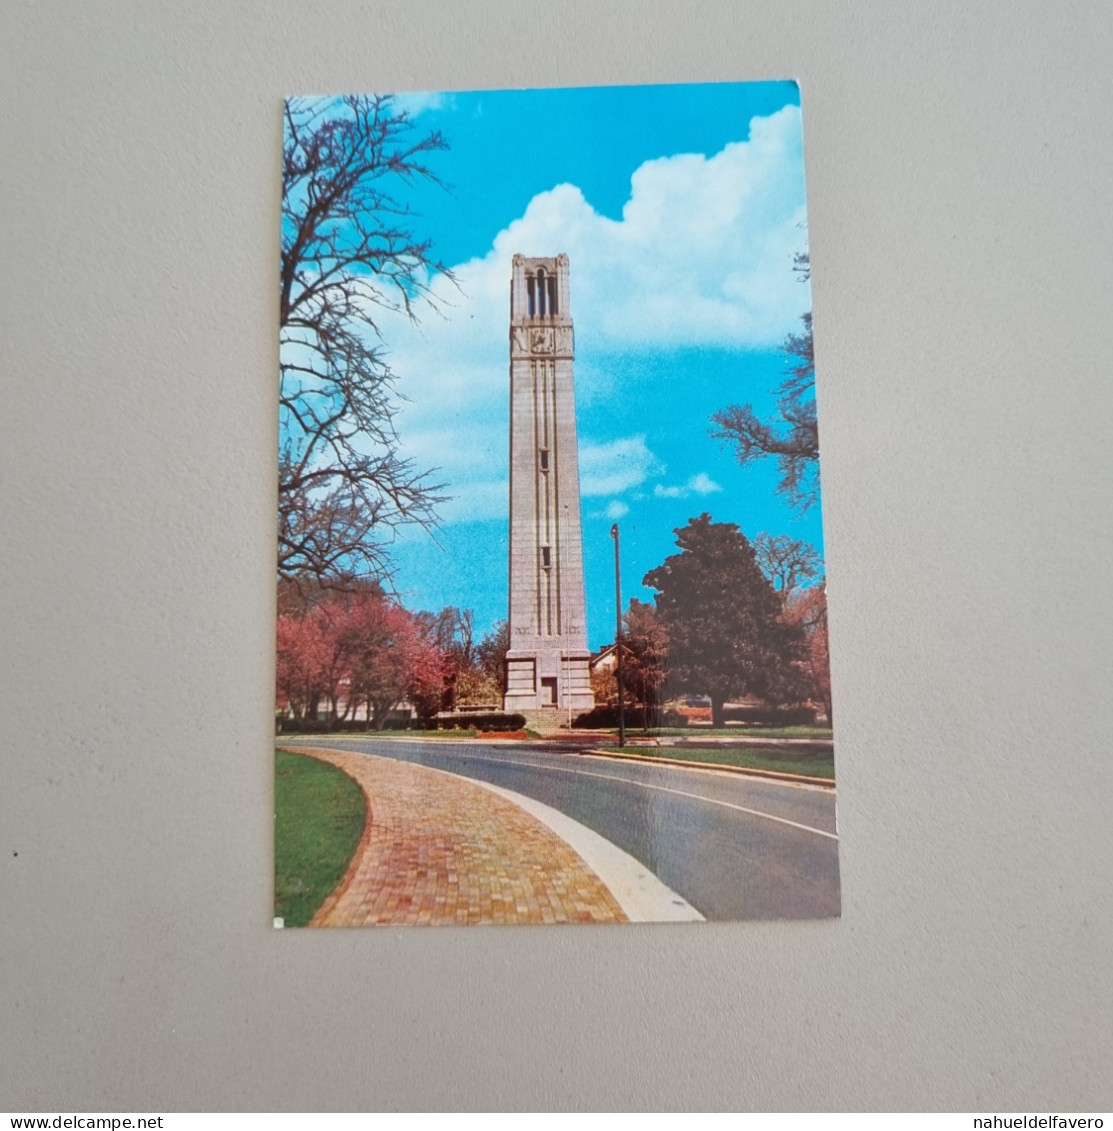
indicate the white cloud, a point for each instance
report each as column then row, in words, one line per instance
column 614, row 467
column 616, row 509
column 414, row 102
column 702, row 256
column 701, row 484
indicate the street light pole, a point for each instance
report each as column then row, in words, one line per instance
column 618, row 637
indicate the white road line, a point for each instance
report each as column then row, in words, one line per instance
column 644, row 785
column 659, row 789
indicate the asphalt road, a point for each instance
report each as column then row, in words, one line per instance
column 735, row 847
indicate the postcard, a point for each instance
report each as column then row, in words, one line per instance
column 552, row 637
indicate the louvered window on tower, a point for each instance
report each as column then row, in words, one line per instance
column 541, row 294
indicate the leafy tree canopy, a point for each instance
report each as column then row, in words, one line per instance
column 726, row 637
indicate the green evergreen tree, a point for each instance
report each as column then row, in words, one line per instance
column 726, row 635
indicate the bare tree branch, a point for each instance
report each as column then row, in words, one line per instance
column 348, row 249
column 786, row 562
column 793, row 437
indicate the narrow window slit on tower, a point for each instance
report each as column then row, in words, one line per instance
column 546, row 556
column 531, row 295
column 543, row 459
column 552, row 295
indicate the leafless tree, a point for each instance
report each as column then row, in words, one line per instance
column 808, row 609
column 490, row 652
column 786, row 562
column 349, row 252
column 793, row 438
column 452, row 632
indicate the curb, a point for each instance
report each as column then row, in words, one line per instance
column 745, row 771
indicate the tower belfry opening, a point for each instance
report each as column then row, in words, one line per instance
column 547, row 665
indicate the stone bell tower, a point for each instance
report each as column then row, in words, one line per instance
column 547, row 665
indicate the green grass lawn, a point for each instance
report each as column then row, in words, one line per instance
column 319, row 817
column 697, row 732
column 753, row 757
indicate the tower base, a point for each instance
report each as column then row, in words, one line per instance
column 548, row 679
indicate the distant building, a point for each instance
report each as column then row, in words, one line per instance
column 606, row 660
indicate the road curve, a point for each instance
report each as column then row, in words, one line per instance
column 734, row 847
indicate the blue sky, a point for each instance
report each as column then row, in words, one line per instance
column 681, row 208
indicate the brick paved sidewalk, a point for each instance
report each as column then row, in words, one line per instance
column 439, row 850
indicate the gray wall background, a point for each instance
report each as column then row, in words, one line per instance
column 959, row 170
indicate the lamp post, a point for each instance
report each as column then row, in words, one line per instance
column 618, row 637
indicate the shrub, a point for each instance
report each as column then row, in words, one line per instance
column 446, row 720
column 486, row 720
column 606, row 716
column 771, row 716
